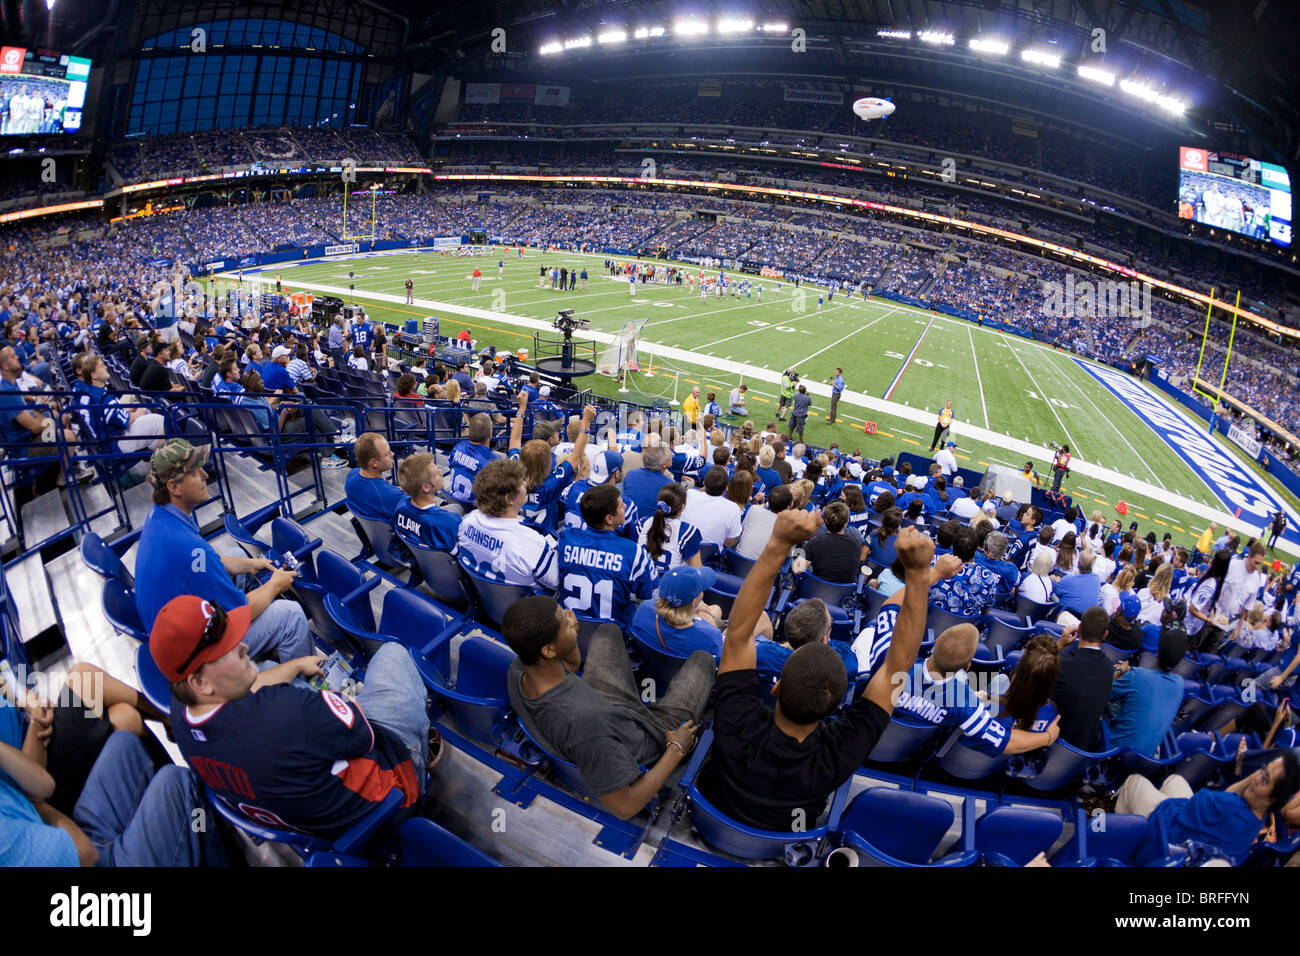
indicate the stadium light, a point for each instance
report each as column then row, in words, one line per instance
column 1172, row 104
column 1104, row 77
column 551, row 48
column 577, row 43
column 990, row 45
column 735, row 26
column 612, row 36
column 644, row 32
column 775, row 27
column 1139, row 89
column 936, row 38
column 688, row 28
column 895, row 34
column 1041, row 58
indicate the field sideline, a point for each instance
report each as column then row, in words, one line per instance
column 999, row 384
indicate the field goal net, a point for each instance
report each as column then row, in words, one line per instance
column 620, row 355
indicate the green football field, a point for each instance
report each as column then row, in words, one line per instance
column 1000, row 382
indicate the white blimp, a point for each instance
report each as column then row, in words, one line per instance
column 869, row 108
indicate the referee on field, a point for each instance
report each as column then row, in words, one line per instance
column 942, row 425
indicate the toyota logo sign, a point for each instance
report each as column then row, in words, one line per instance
column 11, row 59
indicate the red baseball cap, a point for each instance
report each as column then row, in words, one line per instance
column 190, row 631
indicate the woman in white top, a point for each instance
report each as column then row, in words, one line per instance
column 669, row 540
column 1153, row 595
column 1110, row 593
column 1036, row 585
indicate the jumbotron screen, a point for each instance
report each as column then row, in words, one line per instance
column 41, row 91
column 1236, row 193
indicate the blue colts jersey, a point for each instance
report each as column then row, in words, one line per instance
column 602, row 574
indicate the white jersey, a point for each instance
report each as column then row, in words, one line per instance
column 681, row 542
column 506, row 550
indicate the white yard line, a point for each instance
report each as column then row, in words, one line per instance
column 1102, row 415
column 1043, row 396
column 807, row 359
column 978, row 380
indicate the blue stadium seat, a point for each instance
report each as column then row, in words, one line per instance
column 246, row 539
column 440, row 571
column 1059, row 766
column 1205, row 758
column 959, row 759
column 424, row 843
column 656, row 663
column 351, row 845
column 1012, row 836
column 902, row 738
column 1006, row 637
column 378, row 540
column 408, row 618
column 118, row 602
column 1032, row 611
column 104, row 560
column 476, row 691
column 938, row 620
column 750, row 843
column 872, row 601
column 494, row 597
column 889, row 827
column 1110, row 839
column 843, row 596
column 287, row 536
column 156, row 689
column 336, row 575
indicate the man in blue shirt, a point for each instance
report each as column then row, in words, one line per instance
column 641, row 485
column 275, row 373
column 419, row 519
column 369, row 494
column 1147, row 700
column 173, row 558
column 1078, row 592
column 1226, row 819
column 468, row 458
column 602, row 573
column 807, row 622
column 837, row 388
column 336, row 342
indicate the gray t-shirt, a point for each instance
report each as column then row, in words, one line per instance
column 609, row 742
column 801, row 405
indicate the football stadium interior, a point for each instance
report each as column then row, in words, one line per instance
column 409, row 411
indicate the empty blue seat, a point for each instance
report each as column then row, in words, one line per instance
column 1060, row 765
column 1005, row 636
column 408, row 618
column 378, row 540
column 439, row 571
column 843, row 596
column 118, row 602
column 962, row 760
column 889, row 827
column 1110, row 839
column 424, row 843
column 937, row 620
column 103, row 560
column 476, row 691
column 1012, row 836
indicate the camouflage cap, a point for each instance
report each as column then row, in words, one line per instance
column 174, row 459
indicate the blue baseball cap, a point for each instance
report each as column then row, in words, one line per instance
column 952, row 444
column 888, row 471
column 683, row 584
column 603, row 465
column 1130, row 606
